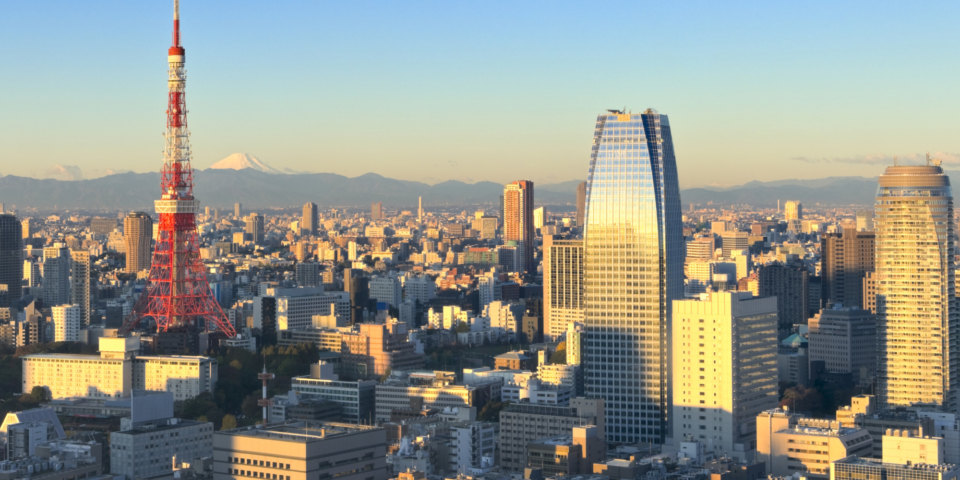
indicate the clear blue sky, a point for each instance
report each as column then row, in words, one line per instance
column 482, row 90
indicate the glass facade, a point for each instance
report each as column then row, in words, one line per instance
column 917, row 317
column 633, row 270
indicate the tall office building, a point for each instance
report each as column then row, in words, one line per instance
column 137, row 233
column 56, row 275
column 845, row 259
column 724, row 369
column 80, row 284
column 562, row 285
column 11, row 257
column 917, row 318
column 419, row 209
column 518, row 220
column 376, row 211
column 237, row 210
column 581, row 202
column 255, row 228
column 308, row 225
column 632, row 271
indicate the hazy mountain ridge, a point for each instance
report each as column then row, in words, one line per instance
column 221, row 188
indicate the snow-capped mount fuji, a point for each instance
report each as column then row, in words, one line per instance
column 243, row 161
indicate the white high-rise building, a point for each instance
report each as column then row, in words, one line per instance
column 917, row 318
column 724, row 369
column 67, row 322
column 632, row 271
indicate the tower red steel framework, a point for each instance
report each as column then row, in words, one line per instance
column 178, row 295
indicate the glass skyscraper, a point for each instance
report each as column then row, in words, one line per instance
column 633, row 270
column 917, row 317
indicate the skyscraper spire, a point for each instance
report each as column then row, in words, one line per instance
column 178, row 296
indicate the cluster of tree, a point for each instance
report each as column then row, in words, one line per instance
column 234, row 400
column 822, row 398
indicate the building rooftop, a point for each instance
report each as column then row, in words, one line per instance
column 855, row 460
column 301, row 432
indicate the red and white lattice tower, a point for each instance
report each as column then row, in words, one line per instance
column 178, row 295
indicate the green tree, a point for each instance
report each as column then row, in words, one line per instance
column 229, row 422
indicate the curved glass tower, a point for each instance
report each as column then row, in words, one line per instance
column 633, row 270
column 917, row 318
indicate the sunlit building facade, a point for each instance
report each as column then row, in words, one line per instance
column 917, row 321
column 633, row 270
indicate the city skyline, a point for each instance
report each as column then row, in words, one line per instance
column 282, row 94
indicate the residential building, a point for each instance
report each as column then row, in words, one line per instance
column 917, row 317
column 137, row 234
column 67, row 323
column 11, row 258
column 80, row 280
column 562, row 285
column 518, row 221
column 845, row 258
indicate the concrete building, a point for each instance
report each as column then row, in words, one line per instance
column 521, row 424
column 426, row 390
column 562, row 285
column 386, row 289
column 788, row 443
column 518, row 221
column 377, row 349
column 573, row 454
column 845, row 258
column 149, row 449
column 118, row 370
column 296, row 307
column 56, row 275
column 80, row 281
column 355, row 398
column 309, row 222
column 137, row 234
column 789, row 284
column 471, row 446
column 67, row 323
column 844, row 339
column 581, row 203
column 856, row 468
column 301, row 451
column 11, row 257
column 724, row 370
column 254, row 228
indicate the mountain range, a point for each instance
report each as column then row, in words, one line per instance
column 245, row 179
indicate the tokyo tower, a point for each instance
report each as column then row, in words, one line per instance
column 178, row 298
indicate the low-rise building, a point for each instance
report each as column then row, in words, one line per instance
column 521, row 424
column 788, row 443
column 301, row 451
column 149, row 449
column 355, row 398
column 118, row 370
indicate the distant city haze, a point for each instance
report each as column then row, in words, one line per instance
column 431, row 91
